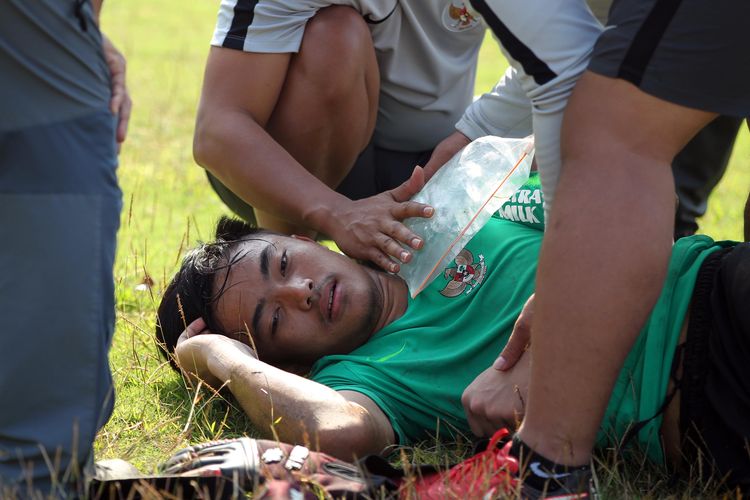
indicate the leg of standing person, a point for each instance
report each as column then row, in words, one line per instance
column 700, row 165
column 698, row 168
column 59, row 214
column 616, row 196
column 326, row 112
column 64, row 106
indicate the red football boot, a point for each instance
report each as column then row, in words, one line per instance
column 489, row 474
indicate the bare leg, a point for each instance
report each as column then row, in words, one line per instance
column 604, row 256
column 326, row 112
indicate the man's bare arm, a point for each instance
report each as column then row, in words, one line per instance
column 241, row 91
column 284, row 405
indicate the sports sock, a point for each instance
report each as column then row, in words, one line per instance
column 544, row 475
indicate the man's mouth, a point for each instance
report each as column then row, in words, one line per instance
column 329, row 300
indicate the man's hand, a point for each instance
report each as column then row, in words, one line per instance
column 120, row 104
column 519, row 339
column 202, row 355
column 371, row 229
column 443, row 152
column 497, row 399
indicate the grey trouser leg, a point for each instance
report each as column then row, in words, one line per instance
column 699, row 167
column 59, row 214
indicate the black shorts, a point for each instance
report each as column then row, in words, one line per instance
column 715, row 402
column 376, row 170
column 695, row 53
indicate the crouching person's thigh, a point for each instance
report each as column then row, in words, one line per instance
column 59, row 214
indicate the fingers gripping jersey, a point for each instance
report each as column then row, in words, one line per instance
column 548, row 44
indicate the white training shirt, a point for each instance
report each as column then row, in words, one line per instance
column 548, row 44
column 426, row 51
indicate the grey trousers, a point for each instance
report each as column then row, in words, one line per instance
column 700, row 165
column 59, row 215
column 698, row 168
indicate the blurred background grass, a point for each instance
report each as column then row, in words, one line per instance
column 168, row 207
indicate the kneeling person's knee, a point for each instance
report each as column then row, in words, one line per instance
column 337, row 53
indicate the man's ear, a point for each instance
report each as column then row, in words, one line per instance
column 303, row 238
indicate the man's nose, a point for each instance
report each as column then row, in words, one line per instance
column 298, row 293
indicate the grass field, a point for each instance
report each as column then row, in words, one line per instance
column 168, row 206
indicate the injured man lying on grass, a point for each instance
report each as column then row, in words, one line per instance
column 332, row 352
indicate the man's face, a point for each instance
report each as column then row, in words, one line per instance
column 299, row 301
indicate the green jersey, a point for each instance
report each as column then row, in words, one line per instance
column 417, row 367
column 525, row 206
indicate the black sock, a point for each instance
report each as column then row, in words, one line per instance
column 543, row 474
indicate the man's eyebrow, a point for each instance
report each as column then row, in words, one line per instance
column 265, row 259
column 257, row 315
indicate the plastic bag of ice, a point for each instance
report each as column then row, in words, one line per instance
column 465, row 193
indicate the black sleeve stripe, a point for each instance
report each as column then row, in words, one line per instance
column 369, row 20
column 244, row 11
column 646, row 40
column 532, row 65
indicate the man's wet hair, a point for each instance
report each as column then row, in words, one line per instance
column 192, row 293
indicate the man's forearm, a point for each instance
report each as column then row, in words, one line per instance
column 231, row 138
column 296, row 410
column 235, row 148
column 281, row 404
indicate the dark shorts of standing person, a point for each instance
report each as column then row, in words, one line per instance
column 689, row 52
column 715, row 402
column 375, row 170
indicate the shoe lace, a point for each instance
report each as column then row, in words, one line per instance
column 489, row 468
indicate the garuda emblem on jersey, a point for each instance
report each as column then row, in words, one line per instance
column 457, row 17
column 466, row 276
